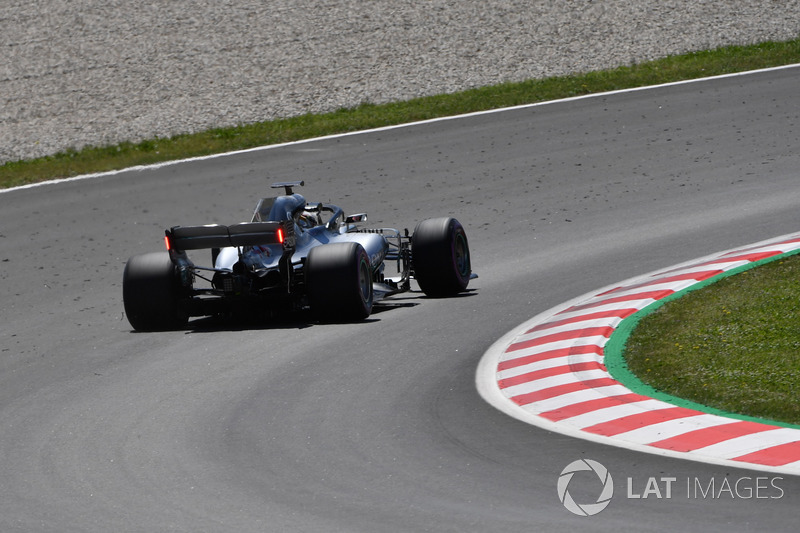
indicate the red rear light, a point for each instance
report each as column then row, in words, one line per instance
column 280, row 235
column 167, row 243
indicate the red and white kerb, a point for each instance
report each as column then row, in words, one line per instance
column 554, row 369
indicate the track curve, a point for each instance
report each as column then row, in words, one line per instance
column 564, row 371
column 374, row 426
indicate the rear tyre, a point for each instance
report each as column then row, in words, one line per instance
column 339, row 282
column 150, row 293
column 440, row 257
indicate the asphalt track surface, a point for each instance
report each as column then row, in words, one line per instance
column 376, row 426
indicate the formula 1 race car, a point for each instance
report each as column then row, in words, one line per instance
column 293, row 256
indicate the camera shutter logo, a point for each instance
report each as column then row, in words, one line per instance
column 585, row 509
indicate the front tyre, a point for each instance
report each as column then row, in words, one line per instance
column 339, row 282
column 440, row 257
column 151, row 293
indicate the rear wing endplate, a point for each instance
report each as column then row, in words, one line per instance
column 181, row 238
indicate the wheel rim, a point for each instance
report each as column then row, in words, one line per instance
column 364, row 281
column 462, row 256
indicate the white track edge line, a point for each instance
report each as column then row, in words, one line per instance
column 154, row 166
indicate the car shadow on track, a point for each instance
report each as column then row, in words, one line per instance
column 293, row 321
column 299, row 320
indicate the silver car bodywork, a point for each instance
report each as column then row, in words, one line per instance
column 293, row 255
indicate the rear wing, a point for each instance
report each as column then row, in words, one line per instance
column 181, row 238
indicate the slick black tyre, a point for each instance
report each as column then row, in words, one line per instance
column 339, row 282
column 150, row 293
column 440, row 257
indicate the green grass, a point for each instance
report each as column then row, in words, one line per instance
column 673, row 68
column 733, row 345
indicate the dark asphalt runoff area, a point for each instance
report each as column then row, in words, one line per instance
column 377, row 426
